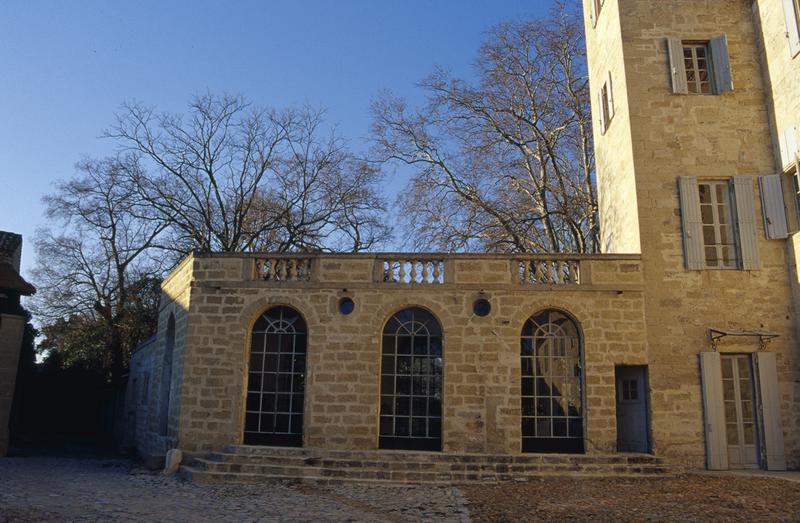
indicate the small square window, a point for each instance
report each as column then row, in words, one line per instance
column 696, row 60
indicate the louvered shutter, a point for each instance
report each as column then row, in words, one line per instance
column 692, row 223
column 720, row 61
column 792, row 30
column 746, row 221
column 788, row 146
column 713, row 411
column 775, row 226
column 610, row 88
column 601, row 112
column 676, row 66
column 770, row 410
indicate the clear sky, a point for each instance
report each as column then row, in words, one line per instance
column 68, row 65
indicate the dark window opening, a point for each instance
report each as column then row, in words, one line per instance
column 411, row 382
column 346, row 306
column 276, row 379
column 482, row 307
column 552, row 384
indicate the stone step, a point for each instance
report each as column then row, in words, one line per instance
column 235, row 452
column 380, row 470
column 246, row 463
column 204, row 476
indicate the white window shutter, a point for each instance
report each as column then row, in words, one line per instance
column 676, row 66
column 713, row 411
column 601, row 111
column 720, row 61
column 770, row 403
column 775, row 226
column 610, row 88
column 792, row 30
column 692, row 223
column 746, row 221
column 788, row 146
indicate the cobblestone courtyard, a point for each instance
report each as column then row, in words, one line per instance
column 61, row 489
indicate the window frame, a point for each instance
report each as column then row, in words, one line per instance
column 596, row 6
column 605, row 106
column 693, row 46
column 733, row 224
column 796, row 4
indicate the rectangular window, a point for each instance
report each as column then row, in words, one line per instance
column 719, row 238
column 596, row 6
column 604, row 106
column 791, row 10
column 606, row 103
column 698, row 70
column 700, row 67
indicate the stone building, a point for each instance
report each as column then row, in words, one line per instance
column 12, row 325
column 680, row 340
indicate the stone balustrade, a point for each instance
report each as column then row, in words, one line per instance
column 417, row 269
column 282, row 268
column 406, row 270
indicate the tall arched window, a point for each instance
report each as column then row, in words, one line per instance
column 166, row 377
column 276, row 379
column 552, row 384
column 411, row 382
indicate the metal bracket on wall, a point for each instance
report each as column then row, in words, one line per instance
column 763, row 336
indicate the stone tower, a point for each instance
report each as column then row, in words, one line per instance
column 696, row 104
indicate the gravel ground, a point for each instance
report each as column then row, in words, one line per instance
column 684, row 498
column 63, row 489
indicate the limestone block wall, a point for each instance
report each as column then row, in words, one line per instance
column 151, row 441
column 616, row 189
column 711, row 136
column 781, row 69
column 137, row 396
column 481, row 354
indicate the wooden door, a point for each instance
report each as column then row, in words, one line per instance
column 632, row 425
column 740, row 423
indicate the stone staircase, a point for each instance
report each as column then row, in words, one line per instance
column 252, row 464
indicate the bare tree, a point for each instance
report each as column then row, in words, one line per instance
column 231, row 177
column 96, row 255
column 505, row 164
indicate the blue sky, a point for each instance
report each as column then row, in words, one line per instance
column 67, row 67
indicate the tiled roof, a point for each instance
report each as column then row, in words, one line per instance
column 9, row 243
column 10, row 279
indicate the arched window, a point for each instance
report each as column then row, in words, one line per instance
column 411, row 382
column 166, row 377
column 552, row 384
column 276, row 379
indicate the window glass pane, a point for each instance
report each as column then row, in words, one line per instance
column 711, row 257
column 705, row 193
column 730, row 411
column 749, row 434
column 709, row 234
column 732, row 433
